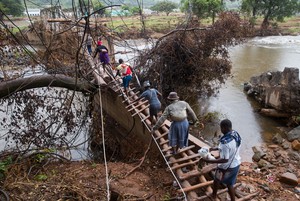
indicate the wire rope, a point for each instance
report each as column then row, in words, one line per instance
column 172, row 172
column 103, row 142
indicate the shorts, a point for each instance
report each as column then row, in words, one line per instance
column 126, row 80
column 229, row 175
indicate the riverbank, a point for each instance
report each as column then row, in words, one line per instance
column 86, row 180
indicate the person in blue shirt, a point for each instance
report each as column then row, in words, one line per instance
column 151, row 95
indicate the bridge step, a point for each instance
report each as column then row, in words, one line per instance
column 140, row 110
column 184, row 159
column 164, row 142
column 136, row 106
column 197, row 173
column 197, row 186
column 162, row 135
column 183, row 150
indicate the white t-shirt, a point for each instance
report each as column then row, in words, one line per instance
column 231, row 152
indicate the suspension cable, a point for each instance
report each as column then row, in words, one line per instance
column 172, row 172
column 103, row 143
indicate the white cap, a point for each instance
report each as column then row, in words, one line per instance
column 146, row 84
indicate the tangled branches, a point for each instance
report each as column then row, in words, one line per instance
column 193, row 60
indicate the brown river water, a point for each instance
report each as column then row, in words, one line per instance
column 256, row 56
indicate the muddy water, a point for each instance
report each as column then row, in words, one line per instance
column 252, row 58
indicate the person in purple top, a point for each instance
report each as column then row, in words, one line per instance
column 151, row 95
column 103, row 53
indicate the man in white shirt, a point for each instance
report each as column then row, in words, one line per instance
column 229, row 160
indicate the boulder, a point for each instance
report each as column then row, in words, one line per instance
column 296, row 145
column 263, row 163
column 294, row 134
column 277, row 139
column 256, row 157
column 277, row 91
column 289, row 178
column 258, row 153
column 293, row 155
column 286, row 145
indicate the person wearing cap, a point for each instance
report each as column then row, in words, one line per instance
column 177, row 112
column 126, row 74
column 103, row 53
column 151, row 95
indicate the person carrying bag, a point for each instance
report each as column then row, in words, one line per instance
column 229, row 160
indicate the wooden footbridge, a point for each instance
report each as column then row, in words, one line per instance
column 193, row 183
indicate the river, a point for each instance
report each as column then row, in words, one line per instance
column 252, row 58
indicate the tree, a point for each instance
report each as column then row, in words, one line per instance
column 193, row 60
column 98, row 5
column 164, row 6
column 203, row 8
column 12, row 7
column 271, row 9
column 131, row 10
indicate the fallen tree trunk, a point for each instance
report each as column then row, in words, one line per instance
column 273, row 113
column 10, row 87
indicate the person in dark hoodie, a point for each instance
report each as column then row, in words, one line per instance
column 103, row 53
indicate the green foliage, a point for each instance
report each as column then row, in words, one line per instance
column 167, row 197
column 211, row 116
column 41, row 177
column 164, row 6
column 12, row 7
column 203, row 8
column 134, row 10
column 4, row 165
column 271, row 9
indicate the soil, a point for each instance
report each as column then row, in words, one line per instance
column 85, row 180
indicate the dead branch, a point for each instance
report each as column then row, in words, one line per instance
column 142, row 160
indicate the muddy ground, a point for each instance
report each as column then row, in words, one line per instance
column 86, row 180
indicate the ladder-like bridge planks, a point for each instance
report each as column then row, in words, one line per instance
column 195, row 183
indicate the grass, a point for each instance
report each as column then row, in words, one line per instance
column 151, row 22
column 160, row 23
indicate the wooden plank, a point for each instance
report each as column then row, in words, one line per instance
column 197, row 186
column 162, row 135
column 185, row 164
column 203, row 171
column 185, row 149
column 185, row 158
column 166, row 149
column 140, row 110
column 218, row 193
column 200, row 144
column 146, row 117
column 131, row 104
column 164, row 142
column 135, row 106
